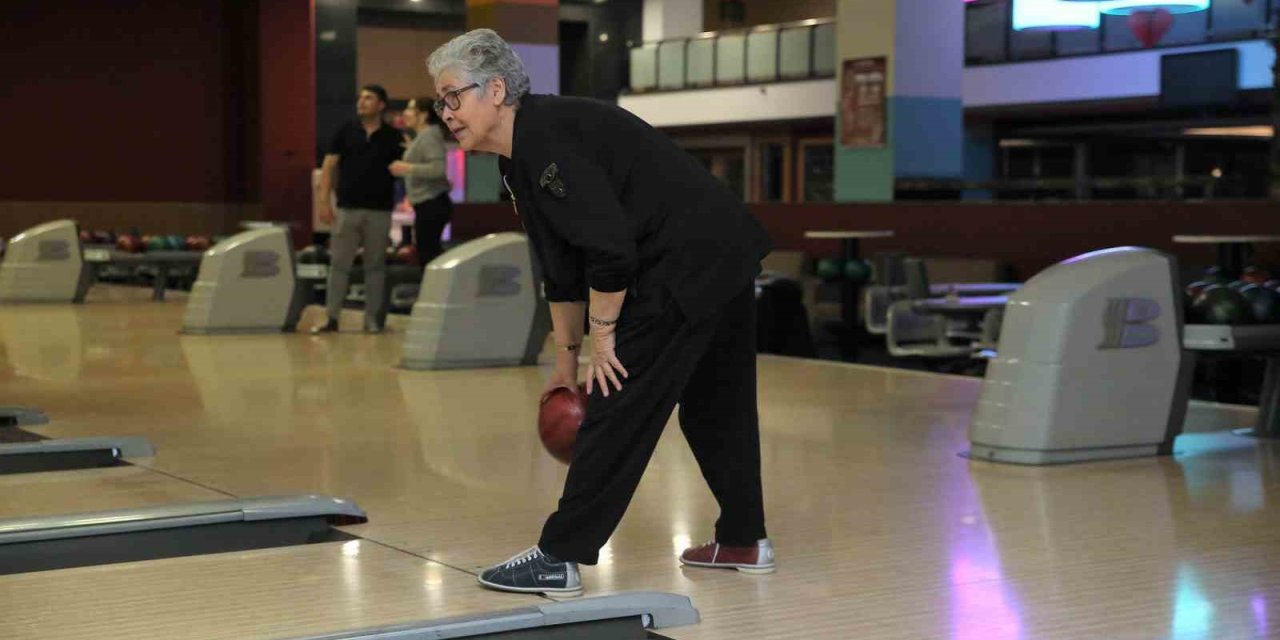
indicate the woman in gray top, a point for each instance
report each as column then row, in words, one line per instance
column 423, row 170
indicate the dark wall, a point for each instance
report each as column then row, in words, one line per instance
column 575, row 59
column 288, row 115
column 717, row 15
column 336, row 29
column 601, row 69
column 128, row 100
column 1027, row 237
column 243, row 64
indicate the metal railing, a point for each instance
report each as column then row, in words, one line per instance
column 767, row 53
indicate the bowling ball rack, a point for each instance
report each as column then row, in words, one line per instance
column 1245, row 341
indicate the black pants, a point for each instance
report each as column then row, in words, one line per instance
column 429, row 219
column 709, row 368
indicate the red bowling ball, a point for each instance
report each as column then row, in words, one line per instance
column 559, row 417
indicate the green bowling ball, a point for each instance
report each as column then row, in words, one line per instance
column 828, row 269
column 1221, row 305
column 857, row 270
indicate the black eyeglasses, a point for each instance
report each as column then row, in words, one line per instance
column 452, row 99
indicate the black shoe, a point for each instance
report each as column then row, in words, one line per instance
column 532, row 571
column 329, row 327
column 372, row 326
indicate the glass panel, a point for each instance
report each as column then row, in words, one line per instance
column 824, row 50
column 1116, row 34
column 1078, row 42
column 795, row 45
column 762, row 56
column 726, row 164
column 1130, row 159
column 819, row 163
column 1241, row 164
column 1237, row 18
column 671, row 65
column 1020, row 162
column 772, row 172
column 984, row 29
column 1057, row 162
column 1188, row 28
column 730, row 59
column 1030, row 45
column 644, row 68
column 701, row 62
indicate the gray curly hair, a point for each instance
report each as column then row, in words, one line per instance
column 482, row 55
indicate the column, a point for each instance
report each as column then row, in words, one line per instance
column 919, row 46
column 335, row 65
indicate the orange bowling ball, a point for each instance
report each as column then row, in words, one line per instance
column 559, row 417
column 1254, row 275
column 129, row 243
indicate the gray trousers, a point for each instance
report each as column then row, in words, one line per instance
column 355, row 228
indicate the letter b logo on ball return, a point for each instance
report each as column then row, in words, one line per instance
column 498, row 281
column 1126, row 323
column 53, row 250
column 261, row 264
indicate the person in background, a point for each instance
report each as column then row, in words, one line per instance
column 423, row 170
column 359, row 155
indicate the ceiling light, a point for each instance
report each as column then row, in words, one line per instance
column 1253, row 131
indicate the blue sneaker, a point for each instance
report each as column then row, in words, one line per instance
column 533, row 571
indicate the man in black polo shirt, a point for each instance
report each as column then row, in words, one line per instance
column 361, row 154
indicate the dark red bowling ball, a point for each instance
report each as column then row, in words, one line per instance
column 559, row 417
column 407, row 254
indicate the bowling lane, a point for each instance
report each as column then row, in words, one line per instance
column 272, row 593
column 124, row 487
column 882, row 530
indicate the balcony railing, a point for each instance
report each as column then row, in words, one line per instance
column 768, row 53
column 806, row 49
column 990, row 39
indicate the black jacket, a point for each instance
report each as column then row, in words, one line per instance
column 610, row 204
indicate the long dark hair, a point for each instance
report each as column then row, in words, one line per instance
column 428, row 105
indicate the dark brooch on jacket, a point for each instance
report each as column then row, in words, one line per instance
column 551, row 181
